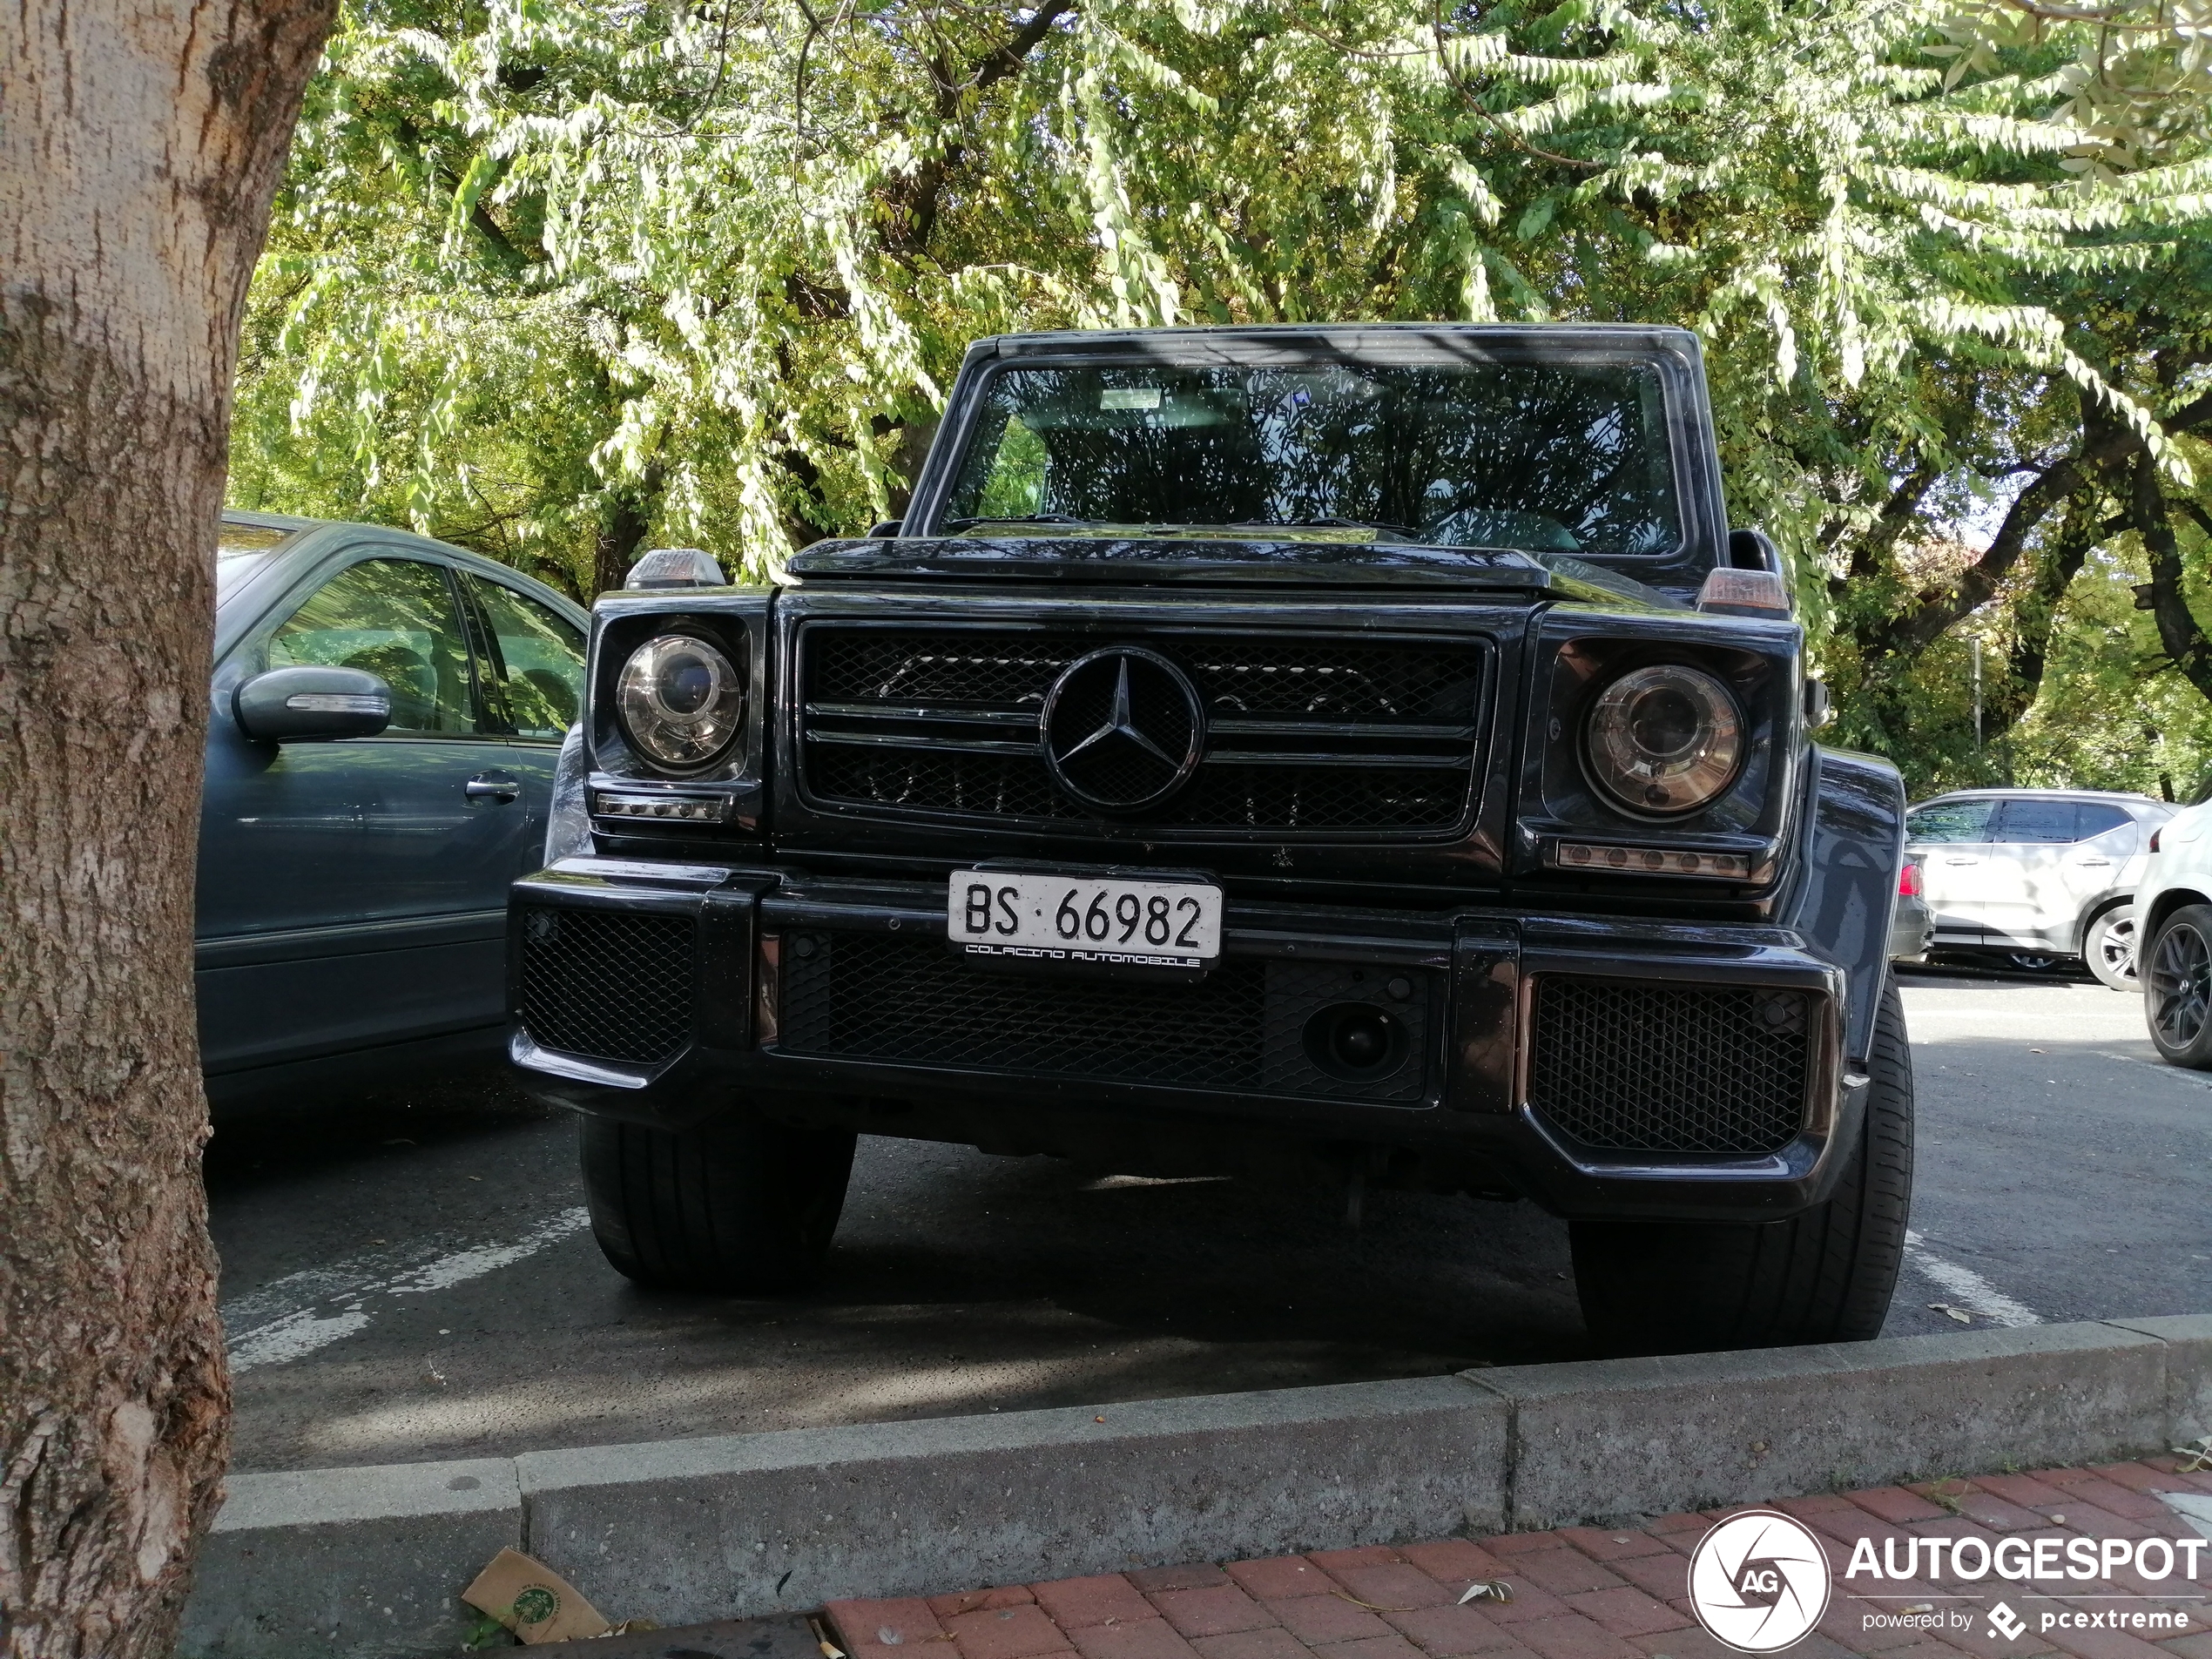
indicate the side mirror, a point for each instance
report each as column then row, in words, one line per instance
column 312, row 705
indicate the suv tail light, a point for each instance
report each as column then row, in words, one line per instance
column 1908, row 880
column 2155, row 834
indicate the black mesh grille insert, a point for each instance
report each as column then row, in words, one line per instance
column 1391, row 723
column 1627, row 1068
column 911, row 1001
column 607, row 984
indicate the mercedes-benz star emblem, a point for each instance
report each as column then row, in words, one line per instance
column 1123, row 729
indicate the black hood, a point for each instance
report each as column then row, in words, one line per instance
column 1220, row 560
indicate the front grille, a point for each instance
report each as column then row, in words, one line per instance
column 913, row 1001
column 1304, row 735
column 606, row 984
column 1627, row 1068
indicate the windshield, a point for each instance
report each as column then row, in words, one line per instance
column 240, row 550
column 1547, row 458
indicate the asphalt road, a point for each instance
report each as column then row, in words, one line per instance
column 410, row 1278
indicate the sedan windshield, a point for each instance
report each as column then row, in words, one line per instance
column 1546, row 457
column 241, row 550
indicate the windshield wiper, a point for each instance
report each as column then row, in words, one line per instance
column 1321, row 524
column 1017, row 518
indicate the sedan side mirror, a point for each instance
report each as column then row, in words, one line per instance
column 312, row 705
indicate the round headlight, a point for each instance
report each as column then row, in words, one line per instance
column 681, row 700
column 1665, row 740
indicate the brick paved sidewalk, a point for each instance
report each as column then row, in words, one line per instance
column 1578, row 1593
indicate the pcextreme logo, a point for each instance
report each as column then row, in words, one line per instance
column 1759, row 1581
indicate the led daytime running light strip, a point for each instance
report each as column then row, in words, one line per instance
column 1649, row 860
column 681, row 808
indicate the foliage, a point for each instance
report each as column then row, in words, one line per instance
column 552, row 276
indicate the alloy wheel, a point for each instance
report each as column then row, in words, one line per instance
column 2181, row 984
column 2117, row 947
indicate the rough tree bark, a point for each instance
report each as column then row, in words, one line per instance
column 141, row 145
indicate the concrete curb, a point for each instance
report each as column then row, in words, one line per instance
column 366, row 1562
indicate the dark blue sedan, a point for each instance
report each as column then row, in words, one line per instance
column 387, row 713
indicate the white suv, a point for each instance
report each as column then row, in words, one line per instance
column 2173, row 908
column 2030, row 876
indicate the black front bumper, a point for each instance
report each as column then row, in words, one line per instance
column 1602, row 1068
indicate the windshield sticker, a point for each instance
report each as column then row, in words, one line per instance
column 1129, row 397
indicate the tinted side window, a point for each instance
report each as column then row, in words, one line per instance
column 396, row 618
column 1950, row 821
column 537, row 660
column 2041, row 822
column 2092, row 819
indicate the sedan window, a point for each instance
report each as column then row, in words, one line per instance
column 395, row 618
column 1950, row 821
column 537, row 660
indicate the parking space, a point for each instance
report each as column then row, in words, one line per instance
column 410, row 1278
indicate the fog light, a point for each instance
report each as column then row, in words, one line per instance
column 1355, row 1041
column 1649, row 860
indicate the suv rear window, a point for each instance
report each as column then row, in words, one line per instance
column 2053, row 822
column 1543, row 457
column 1950, row 821
column 2047, row 821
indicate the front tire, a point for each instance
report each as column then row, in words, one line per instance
column 738, row 1206
column 1824, row 1276
column 2176, row 975
column 2108, row 947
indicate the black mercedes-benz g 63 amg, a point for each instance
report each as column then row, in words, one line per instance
column 1361, row 750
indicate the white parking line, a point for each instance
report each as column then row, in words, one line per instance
column 291, row 1316
column 2174, row 1074
column 1973, row 1291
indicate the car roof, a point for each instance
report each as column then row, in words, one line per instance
column 2142, row 808
column 2044, row 794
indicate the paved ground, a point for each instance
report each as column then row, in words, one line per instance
column 410, row 1278
column 1606, row 1592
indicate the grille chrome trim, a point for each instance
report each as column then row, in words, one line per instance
column 904, row 740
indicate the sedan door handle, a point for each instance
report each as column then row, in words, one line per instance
column 491, row 787
column 2095, row 864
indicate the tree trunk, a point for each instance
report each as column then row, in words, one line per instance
column 629, row 520
column 141, row 144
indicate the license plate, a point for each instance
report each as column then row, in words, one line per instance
column 1083, row 918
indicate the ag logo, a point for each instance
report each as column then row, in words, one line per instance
column 1759, row 1581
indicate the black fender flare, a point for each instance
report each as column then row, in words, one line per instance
column 2165, row 904
column 2110, row 899
column 1844, row 893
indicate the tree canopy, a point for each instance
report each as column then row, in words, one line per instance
column 553, row 278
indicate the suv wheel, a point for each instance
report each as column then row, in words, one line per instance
column 1824, row 1276
column 736, row 1206
column 2177, row 987
column 2109, row 948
